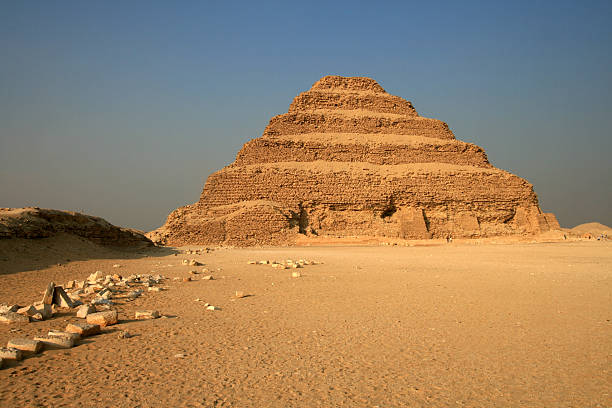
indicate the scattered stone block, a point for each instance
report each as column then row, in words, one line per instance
column 84, row 329
column 74, row 336
column 207, row 277
column 85, row 310
column 193, row 262
column 252, row 262
column 27, row 311
column 70, row 284
column 147, row 314
column 45, row 310
column 48, row 295
column 295, row 274
column 61, row 298
column 10, row 354
column 13, row 318
column 240, row 294
column 185, row 262
column 154, row 289
column 107, row 318
column 37, row 317
column 211, row 307
column 134, row 294
column 102, row 301
column 80, row 284
column 8, row 308
column 55, row 342
column 124, row 334
column 116, row 266
column 105, row 294
column 25, row 345
column 93, row 278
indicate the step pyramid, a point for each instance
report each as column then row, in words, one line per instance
column 349, row 159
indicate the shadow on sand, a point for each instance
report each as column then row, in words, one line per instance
column 19, row 255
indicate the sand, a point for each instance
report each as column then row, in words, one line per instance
column 489, row 325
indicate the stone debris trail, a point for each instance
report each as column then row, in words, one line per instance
column 90, row 299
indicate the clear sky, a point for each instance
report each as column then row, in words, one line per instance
column 122, row 109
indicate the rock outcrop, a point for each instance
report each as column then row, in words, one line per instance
column 350, row 159
column 34, row 222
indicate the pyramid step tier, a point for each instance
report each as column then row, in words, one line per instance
column 351, row 122
column 372, row 102
column 366, row 148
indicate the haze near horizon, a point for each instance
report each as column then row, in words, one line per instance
column 122, row 111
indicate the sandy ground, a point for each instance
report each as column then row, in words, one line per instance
column 521, row 325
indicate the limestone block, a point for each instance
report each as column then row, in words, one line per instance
column 61, row 298
column 25, row 345
column 146, row 314
column 74, row 336
column 27, row 311
column 103, row 319
column 10, row 354
column 45, row 310
column 55, row 342
column 48, row 295
column 13, row 318
column 83, row 329
column 85, row 310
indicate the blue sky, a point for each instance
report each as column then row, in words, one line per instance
column 122, row 109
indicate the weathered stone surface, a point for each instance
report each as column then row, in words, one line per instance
column 13, row 318
column 48, row 296
column 8, row 308
column 45, row 310
column 106, row 318
column 85, row 310
column 34, row 222
column 10, row 354
column 146, row 314
column 25, row 345
column 74, row 336
column 50, row 342
column 27, row 311
column 61, row 298
column 349, row 159
column 84, row 329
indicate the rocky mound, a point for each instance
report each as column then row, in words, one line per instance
column 350, row 159
column 34, row 222
column 593, row 228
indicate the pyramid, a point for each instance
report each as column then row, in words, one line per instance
column 349, row 159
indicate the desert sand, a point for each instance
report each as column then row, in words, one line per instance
column 465, row 324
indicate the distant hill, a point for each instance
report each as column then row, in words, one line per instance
column 594, row 228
